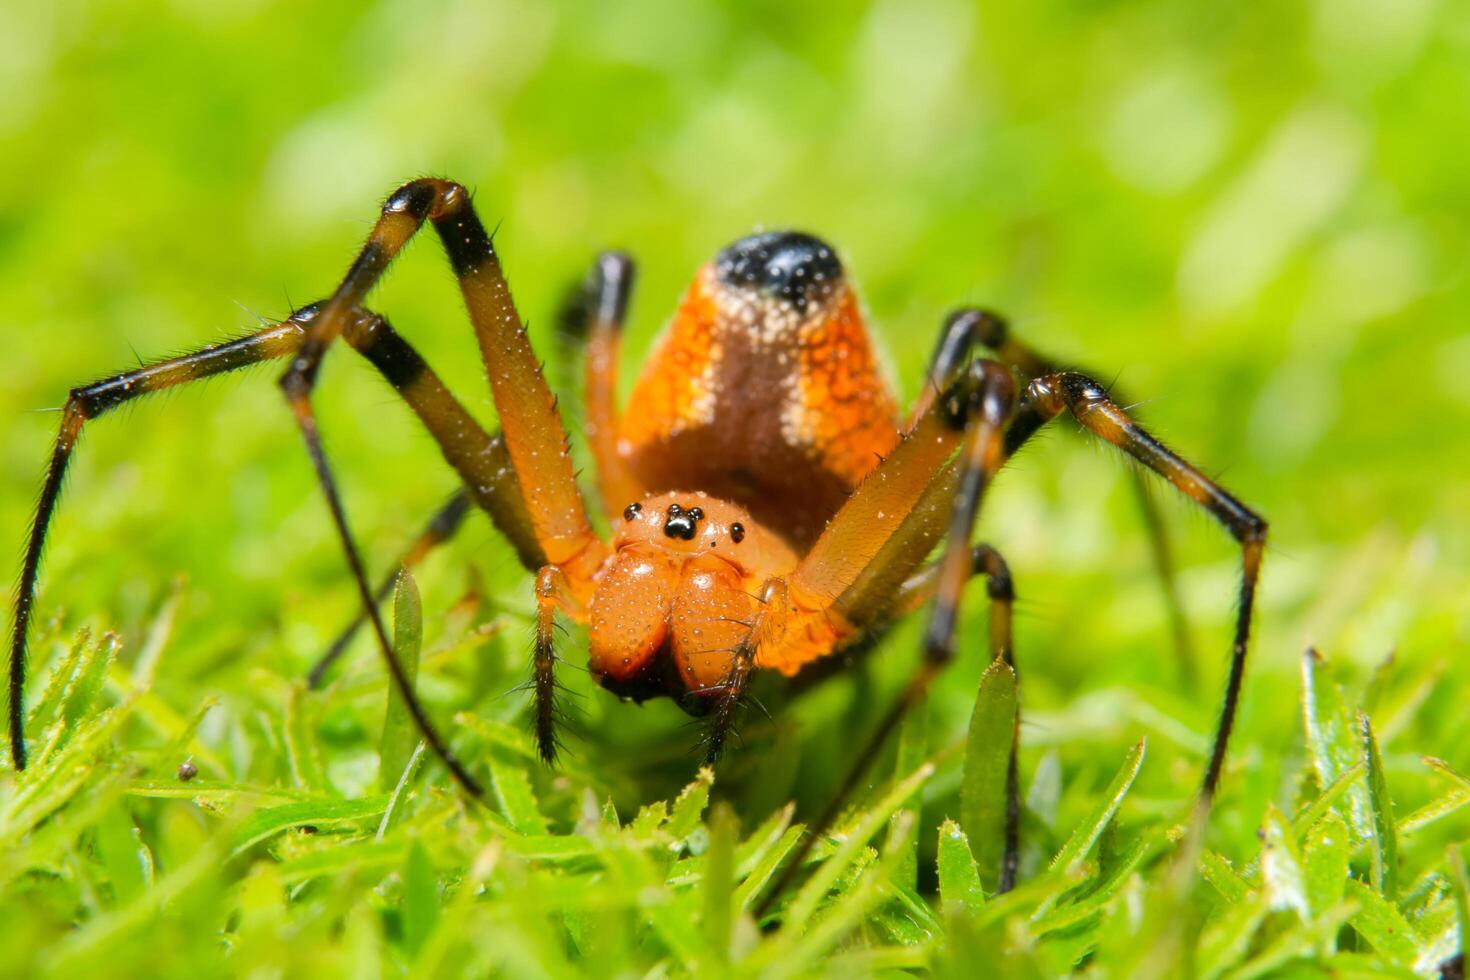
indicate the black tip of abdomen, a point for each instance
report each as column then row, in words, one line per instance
column 789, row 265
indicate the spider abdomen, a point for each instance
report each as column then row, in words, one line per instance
column 765, row 390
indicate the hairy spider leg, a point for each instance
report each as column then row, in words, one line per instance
column 479, row 458
column 994, row 332
column 594, row 317
column 1000, row 588
column 535, row 439
column 443, row 526
column 844, row 586
column 980, row 409
column 604, row 307
column 1048, row 396
column 553, row 594
column 82, row 405
column 986, row 449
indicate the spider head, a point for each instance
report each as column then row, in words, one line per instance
column 690, row 524
column 679, row 595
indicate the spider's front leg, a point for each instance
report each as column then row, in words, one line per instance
column 88, row 402
column 479, row 458
column 863, row 565
column 594, row 317
column 535, row 439
column 1048, row 396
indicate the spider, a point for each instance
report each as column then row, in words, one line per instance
column 768, row 505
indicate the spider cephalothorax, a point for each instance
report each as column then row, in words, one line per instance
column 768, row 504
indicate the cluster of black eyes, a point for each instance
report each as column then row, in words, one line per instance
column 681, row 523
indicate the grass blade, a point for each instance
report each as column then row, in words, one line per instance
column 1331, row 741
column 1325, row 863
column 317, row 813
column 394, row 811
column 420, row 898
column 399, row 733
column 48, row 707
column 1087, row 833
column 1281, row 865
column 851, row 846
column 1385, row 831
column 1222, row 875
column 987, row 761
column 1325, row 801
column 959, row 878
column 303, row 754
column 719, row 881
column 1227, row 939
column 913, row 749
column 512, row 786
column 1379, row 921
column 771, row 860
column 689, row 807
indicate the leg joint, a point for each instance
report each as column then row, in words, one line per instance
column 426, row 198
column 963, row 328
column 986, row 389
column 1081, row 392
column 998, row 583
column 983, row 326
column 1253, row 530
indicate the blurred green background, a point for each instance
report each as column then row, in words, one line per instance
column 1252, row 217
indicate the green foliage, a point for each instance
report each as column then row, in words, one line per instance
column 549, row 880
column 1253, row 217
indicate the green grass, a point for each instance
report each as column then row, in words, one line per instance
column 1255, row 219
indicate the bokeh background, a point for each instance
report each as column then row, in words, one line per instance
column 1252, row 217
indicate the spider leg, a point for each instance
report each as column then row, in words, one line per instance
column 984, row 408
column 84, row 404
column 479, row 458
column 768, row 625
column 552, row 593
column 1048, row 396
column 535, row 439
column 994, row 332
column 445, row 523
column 464, row 444
column 595, row 316
column 306, row 422
column 922, row 586
column 884, row 531
column 600, row 308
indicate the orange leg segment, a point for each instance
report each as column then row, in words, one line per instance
column 534, row 437
column 605, row 306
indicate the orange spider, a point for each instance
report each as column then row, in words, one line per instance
column 768, row 506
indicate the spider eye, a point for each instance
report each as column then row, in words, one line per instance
column 681, row 523
column 631, row 511
column 737, row 532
